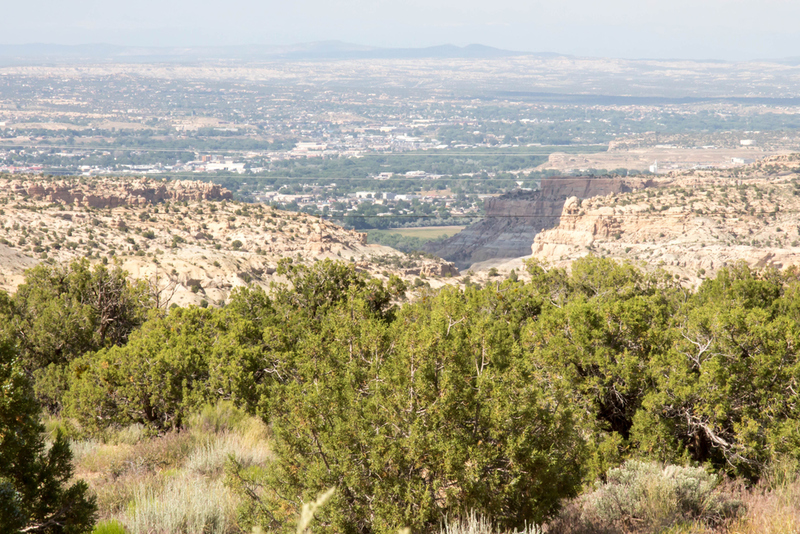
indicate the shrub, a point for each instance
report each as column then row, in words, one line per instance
column 117, row 387
column 37, row 493
column 648, row 497
column 63, row 312
column 412, row 418
column 170, row 367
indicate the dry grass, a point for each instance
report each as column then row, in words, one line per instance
column 772, row 507
column 172, row 483
column 210, row 457
column 475, row 524
column 187, row 503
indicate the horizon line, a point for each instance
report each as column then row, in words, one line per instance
column 366, row 48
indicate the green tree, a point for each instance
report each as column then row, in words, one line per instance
column 37, row 494
column 598, row 333
column 60, row 313
column 170, row 366
column 725, row 392
column 412, row 415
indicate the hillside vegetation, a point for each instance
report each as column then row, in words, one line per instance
column 188, row 240
column 570, row 400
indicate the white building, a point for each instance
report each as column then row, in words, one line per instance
column 225, row 166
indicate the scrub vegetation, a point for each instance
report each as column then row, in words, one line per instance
column 603, row 399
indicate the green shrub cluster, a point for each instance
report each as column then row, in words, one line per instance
column 501, row 400
column 37, row 493
column 61, row 313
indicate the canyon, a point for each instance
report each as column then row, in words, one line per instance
column 689, row 223
column 513, row 220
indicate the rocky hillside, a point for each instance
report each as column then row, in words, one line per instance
column 513, row 220
column 692, row 224
column 187, row 239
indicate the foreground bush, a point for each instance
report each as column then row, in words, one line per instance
column 648, row 497
column 170, row 367
column 37, row 493
column 412, row 415
column 502, row 400
column 62, row 312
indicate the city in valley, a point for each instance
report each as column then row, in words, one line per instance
column 396, row 138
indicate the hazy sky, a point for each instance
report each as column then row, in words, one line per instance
column 721, row 29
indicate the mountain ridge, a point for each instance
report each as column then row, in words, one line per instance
column 318, row 50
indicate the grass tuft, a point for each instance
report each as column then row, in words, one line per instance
column 109, row 527
column 475, row 524
column 186, row 504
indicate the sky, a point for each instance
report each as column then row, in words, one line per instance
column 669, row 29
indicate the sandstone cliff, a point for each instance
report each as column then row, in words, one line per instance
column 514, row 219
column 694, row 225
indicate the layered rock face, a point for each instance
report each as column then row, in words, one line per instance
column 691, row 226
column 114, row 193
column 513, row 220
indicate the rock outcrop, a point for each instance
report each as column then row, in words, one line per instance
column 115, row 193
column 513, row 220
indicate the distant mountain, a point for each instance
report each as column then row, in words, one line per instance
column 323, row 50
column 790, row 61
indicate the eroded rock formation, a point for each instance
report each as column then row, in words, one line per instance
column 692, row 226
column 513, row 220
column 115, row 193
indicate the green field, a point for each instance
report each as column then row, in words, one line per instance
column 424, row 232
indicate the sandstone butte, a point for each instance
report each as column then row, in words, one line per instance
column 189, row 240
